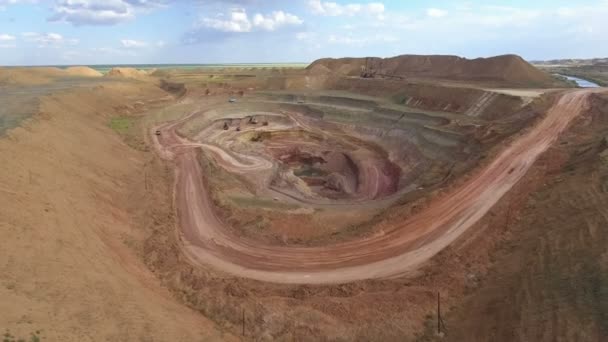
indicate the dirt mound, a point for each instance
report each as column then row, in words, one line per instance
column 82, row 71
column 29, row 76
column 507, row 68
column 318, row 69
column 42, row 75
column 127, row 72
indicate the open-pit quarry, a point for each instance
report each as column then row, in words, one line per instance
column 342, row 154
column 326, row 203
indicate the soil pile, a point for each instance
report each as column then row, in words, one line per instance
column 29, row 76
column 127, row 72
column 82, row 71
column 507, row 68
column 42, row 75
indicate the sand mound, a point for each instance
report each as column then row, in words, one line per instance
column 316, row 69
column 82, row 71
column 127, row 72
column 508, row 68
column 29, row 76
column 42, row 75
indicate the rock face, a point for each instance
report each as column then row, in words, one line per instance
column 507, row 68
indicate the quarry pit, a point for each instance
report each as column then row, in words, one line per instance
column 293, row 155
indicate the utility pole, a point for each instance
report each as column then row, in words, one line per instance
column 438, row 314
column 243, row 321
column 509, row 209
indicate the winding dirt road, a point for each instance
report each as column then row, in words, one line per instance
column 206, row 242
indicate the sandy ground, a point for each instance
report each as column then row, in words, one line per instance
column 526, row 93
column 68, row 266
column 415, row 241
column 75, row 240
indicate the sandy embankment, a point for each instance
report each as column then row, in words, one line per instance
column 130, row 73
column 42, row 75
column 67, row 186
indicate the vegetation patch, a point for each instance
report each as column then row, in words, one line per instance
column 121, row 124
column 9, row 337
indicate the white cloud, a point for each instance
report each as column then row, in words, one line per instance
column 346, row 40
column 140, row 44
column 133, row 44
column 6, row 38
column 5, row 3
column 13, row 2
column 71, row 55
column 114, row 51
column 436, row 13
column 361, row 40
column 303, row 35
column 238, row 21
column 501, row 16
column 99, row 12
column 275, row 20
column 48, row 39
column 333, row 9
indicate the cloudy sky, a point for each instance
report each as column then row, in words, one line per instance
column 42, row 32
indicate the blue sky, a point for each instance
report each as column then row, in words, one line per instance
column 39, row 32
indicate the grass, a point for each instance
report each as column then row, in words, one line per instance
column 8, row 337
column 127, row 129
column 121, row 124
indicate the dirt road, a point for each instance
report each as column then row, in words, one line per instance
column 414, row 241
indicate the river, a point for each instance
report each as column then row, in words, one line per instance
column 581, row 82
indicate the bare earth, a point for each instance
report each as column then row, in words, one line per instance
column 66, row 268
column 492, row 197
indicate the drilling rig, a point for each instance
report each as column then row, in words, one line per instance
column 368, row 71
column 373, row 69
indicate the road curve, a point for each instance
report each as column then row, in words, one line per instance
column 206, row 242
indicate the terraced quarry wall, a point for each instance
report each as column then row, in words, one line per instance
column 464, row 100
